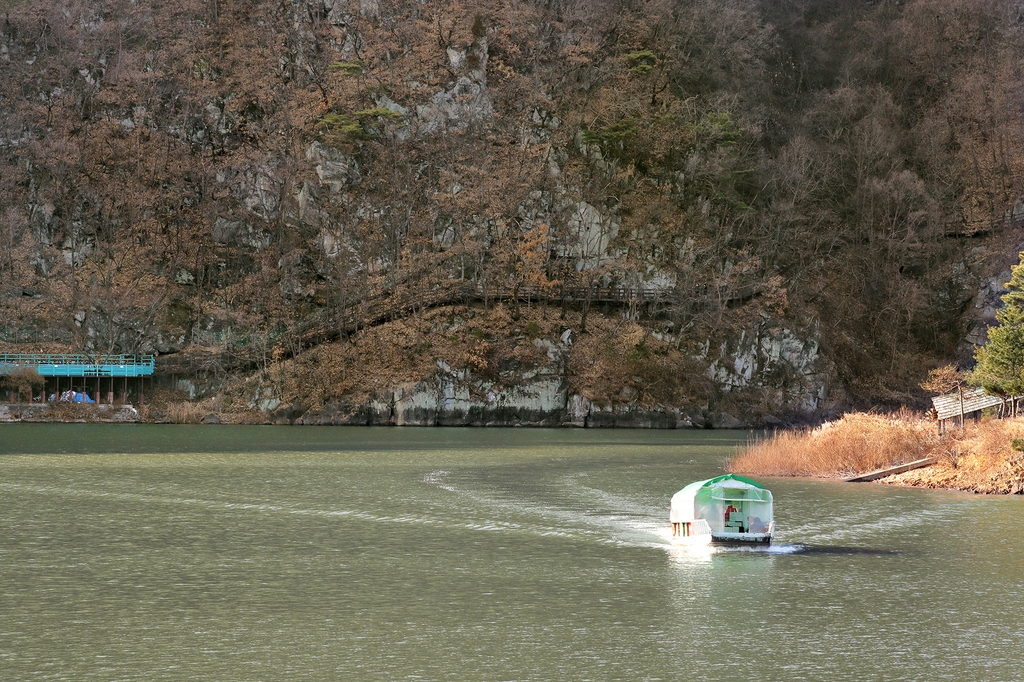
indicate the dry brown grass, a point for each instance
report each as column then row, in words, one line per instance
column 42, row 347
column 856, row 443
column 195, row 412
column 185, row 412
column 70, row 412
column 243, row 416
column 170, row 405
column 979, row 458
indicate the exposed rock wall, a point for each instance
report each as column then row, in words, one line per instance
column 772, row 357
column 768, row 375
column 272, row 167
column 539, row 402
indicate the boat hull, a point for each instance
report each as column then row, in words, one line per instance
column 724, row 540
column 741, row 539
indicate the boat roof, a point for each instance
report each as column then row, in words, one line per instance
column 727, row 480
column 682, row 506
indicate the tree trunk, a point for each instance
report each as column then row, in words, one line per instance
column 960, row 391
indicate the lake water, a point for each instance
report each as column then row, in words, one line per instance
column 131, row 552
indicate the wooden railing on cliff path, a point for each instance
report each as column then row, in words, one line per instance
column 365, row 308
column 386, row 306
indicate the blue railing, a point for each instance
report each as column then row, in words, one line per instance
column 78, row 365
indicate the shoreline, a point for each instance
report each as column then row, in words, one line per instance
column 963, row 461
column 574, row 412
column 985, row 457
column 68, row 413
column 24, row 413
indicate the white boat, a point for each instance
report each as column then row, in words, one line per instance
column 725, row 510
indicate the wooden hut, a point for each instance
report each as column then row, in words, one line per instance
column 960, row 404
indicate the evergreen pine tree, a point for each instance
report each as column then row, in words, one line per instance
column 1000, row 368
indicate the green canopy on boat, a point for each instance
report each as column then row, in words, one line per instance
column 722, row 500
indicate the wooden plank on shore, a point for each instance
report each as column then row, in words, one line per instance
column 892, row 471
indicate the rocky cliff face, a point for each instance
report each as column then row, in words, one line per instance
column 743, row 211
column 549, row 376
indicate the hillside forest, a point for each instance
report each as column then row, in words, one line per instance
column 313, row 195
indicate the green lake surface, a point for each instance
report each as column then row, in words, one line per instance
column 143, row 552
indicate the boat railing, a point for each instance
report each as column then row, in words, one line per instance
column 700, row 527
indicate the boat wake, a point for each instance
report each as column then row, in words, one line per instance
column 581, row 512
column 561, row 506
column 823, row 550
column 549, row 521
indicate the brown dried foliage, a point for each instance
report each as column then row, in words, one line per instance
column 619, row 361
column 854, row 444
column 978, row 458
column 484, row 342
column 861, row 140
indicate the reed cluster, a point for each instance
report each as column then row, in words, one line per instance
column 856, row 443
column 189, row 412
column 980, row 457
column 185, row 412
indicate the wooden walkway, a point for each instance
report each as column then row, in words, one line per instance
column 78, row 365
column 892, row 471
column 368, row 307
column 382, row 306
